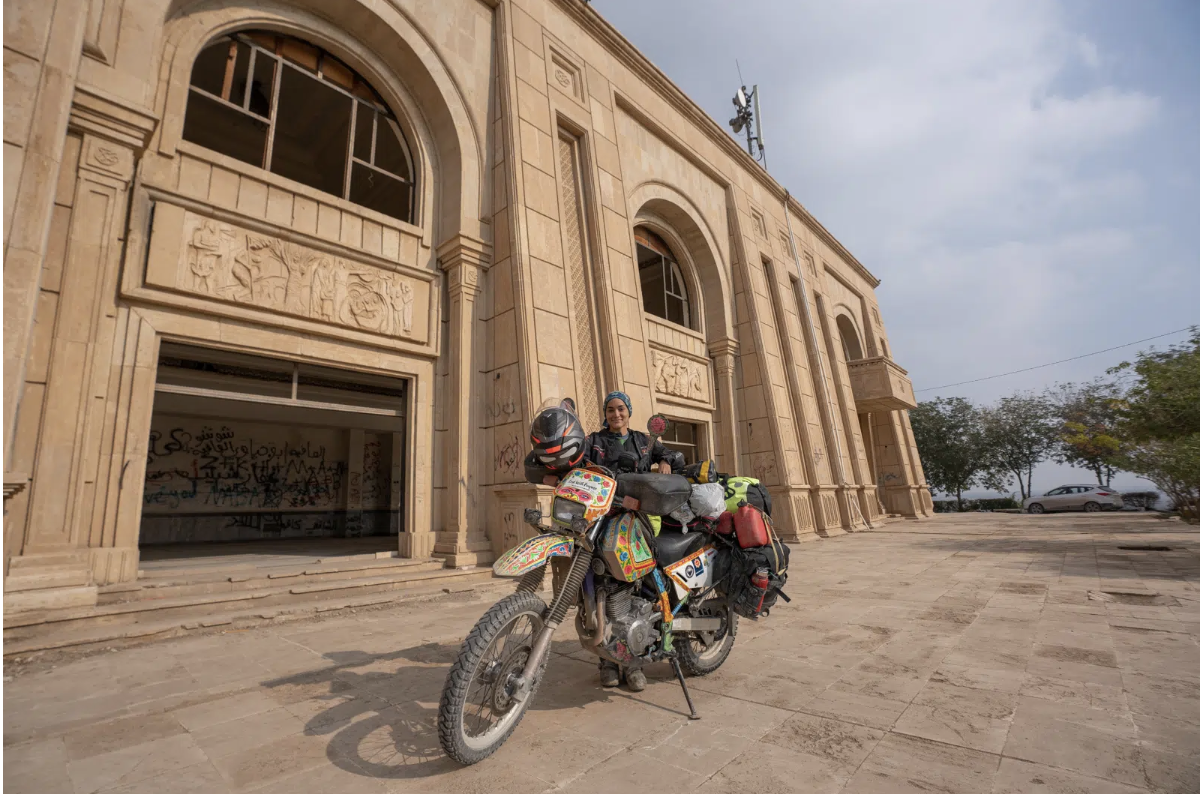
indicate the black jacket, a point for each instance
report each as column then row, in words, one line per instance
column 605, row 448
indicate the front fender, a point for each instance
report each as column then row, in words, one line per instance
column 532, row 554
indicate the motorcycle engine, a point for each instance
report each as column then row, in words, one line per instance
column 631, row 622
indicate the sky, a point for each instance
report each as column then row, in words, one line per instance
column 1024, row 177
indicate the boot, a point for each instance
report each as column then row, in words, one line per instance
column 636, row 680
column 610, row 674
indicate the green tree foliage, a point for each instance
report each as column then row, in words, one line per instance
column 1087, row 416
column 953, row 453
column 1160, row 418
column 1019, row 433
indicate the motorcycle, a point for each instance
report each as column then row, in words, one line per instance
column 638, row 599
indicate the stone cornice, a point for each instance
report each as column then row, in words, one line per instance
column 630, row 57
column 111, row 119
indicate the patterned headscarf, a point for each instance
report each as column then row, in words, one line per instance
column 613, row 395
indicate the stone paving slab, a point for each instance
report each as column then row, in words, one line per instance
column 991, row 653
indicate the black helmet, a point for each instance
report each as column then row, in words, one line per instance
column 557, row 439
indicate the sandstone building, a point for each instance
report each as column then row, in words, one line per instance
column 304, row 269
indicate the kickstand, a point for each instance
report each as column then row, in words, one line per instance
column 687, row 695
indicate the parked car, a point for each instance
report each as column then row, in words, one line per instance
column 1089, row 498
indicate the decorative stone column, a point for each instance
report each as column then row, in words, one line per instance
column 463, row 259
column 724, row 357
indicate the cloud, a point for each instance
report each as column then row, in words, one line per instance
column 1016, row 173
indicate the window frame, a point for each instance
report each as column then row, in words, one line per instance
column 671, row 269
column 379, row 109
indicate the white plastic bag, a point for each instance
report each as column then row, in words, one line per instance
column 685, row 516
column 708, row 500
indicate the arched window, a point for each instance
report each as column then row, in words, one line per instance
column 851, row 346
column 664, row 292
column 280, row 103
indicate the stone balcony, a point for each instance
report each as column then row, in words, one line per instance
column 880, row 385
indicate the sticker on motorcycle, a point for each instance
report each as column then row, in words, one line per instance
column 693, row 571
column 531, row 554
column 589, row 488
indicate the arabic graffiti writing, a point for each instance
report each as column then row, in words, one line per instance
column 194, row 466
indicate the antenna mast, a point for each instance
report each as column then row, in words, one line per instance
column 748, row 118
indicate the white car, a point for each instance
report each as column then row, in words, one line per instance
column 1089, row 498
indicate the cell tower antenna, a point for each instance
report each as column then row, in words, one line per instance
column 747, row 105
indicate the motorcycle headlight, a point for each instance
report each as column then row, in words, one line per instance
column 565, row 511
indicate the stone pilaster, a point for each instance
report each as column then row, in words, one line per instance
column 724, row 357
column 464, row 260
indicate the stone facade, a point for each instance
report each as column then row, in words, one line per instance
column 539, row 140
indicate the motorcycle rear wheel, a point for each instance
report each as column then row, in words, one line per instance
column 477, row 712
column 702, row 653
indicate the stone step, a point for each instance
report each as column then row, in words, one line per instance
column 57, row 599
column 26, row 579
column 257, row 615
column 56, row 559
column 219, row 566
column 66, row 622
column 240, row 579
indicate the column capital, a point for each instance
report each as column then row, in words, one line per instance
column 114, row 132
column 462, row 257
column 463, row 249
column 723, row 347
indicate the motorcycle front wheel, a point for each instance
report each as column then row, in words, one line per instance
column 478, row 711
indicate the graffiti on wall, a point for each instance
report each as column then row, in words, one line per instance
column 220, row 467
column 376, row 473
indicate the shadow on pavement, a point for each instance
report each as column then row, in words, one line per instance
column 383, row 720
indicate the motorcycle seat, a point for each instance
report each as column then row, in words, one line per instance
column 671, row 547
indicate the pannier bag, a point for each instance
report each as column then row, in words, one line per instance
column 746, row 489
column 702, row 473
column 745, row 598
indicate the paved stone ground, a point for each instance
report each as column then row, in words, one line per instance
column 988, row 653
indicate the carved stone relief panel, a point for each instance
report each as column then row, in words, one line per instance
column 224, row 262
column 679, row 376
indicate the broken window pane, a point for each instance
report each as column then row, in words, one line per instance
column 237, row 87
column 378, row 191
column 264, row 81
column 312, row 130
column 389, row 151
column 208, row 73
column 217, row 126
column 363, row 126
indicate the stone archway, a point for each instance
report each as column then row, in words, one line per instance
column 712, row 345
column 383, row 45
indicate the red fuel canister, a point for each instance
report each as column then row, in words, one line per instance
column 750, row 527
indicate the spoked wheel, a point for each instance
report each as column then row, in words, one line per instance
column 478, row 711
column 702, row 652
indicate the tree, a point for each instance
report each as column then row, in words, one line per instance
column 953, row 452
column 1087, row 417
column 1019, row 432
column 1160, row 416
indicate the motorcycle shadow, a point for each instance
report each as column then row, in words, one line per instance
column 380, row 710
